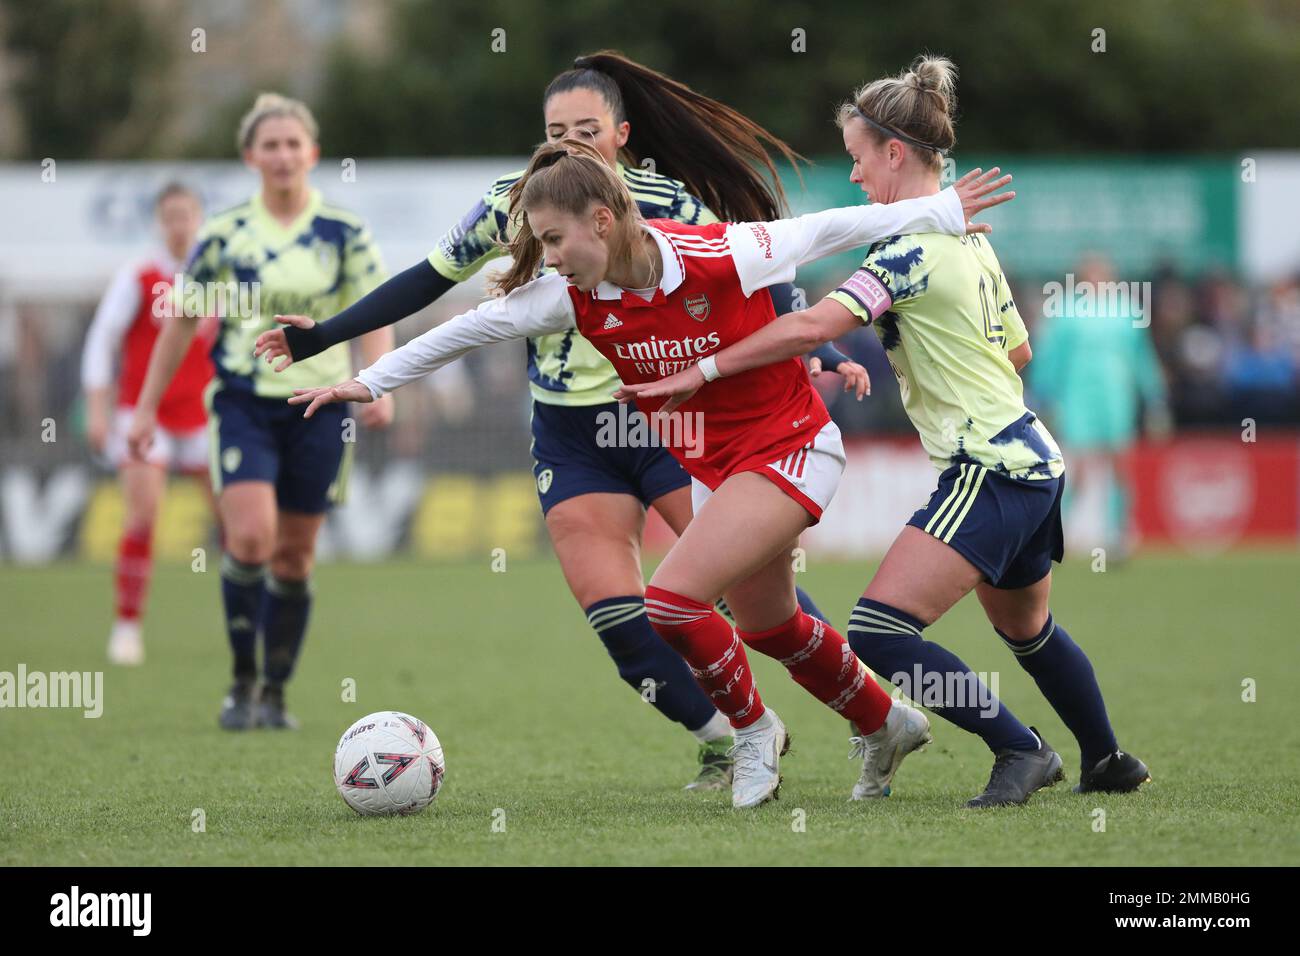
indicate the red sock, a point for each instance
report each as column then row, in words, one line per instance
column 134, row 565
column 716, row 656
column 822, row 663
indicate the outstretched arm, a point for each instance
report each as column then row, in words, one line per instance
column 460, row 253
column 541, row 307
column 786, row 297
column 789, row 335
column 766, row 253
column 404, row 294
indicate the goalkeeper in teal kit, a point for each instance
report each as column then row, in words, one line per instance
column 1093, row 366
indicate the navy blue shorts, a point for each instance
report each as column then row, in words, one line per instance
column 1008, row 528
column 267, row 439
column 569, row 461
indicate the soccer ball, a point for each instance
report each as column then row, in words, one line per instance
column 388, row 763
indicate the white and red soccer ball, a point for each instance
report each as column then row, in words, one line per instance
column 388, row 763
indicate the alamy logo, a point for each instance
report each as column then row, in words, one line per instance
column 1109, row 300
column 937, row 690
column 197, row 300
column 103, row 909
column 75, row 689
column 629, row 428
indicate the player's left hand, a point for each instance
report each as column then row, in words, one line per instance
column 378, row 414
column 678, row 389
column 973, row 190
column 854, row 375
column 274, row 344
column 350, row 391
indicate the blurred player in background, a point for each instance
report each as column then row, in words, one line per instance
column 945, row 316
column 1094, row 363
column 765, row 458
column 284, row 250
column 595, row 498
column 126, row 324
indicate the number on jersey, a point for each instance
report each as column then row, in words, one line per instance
column 993, row 330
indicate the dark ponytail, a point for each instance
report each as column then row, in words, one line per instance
column 719, row 154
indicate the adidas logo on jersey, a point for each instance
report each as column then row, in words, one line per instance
column 612, row 322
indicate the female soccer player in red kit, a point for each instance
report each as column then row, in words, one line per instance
column 654, row 298
column 128, row 321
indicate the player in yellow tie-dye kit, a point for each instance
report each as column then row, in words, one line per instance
column 321, row 262
column 956, row 343
column 949, row 330
column 276, row 475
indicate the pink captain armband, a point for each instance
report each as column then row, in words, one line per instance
column 867, row 291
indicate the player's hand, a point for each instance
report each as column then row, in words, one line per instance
column 275, row 345
column 314, row 398
column 378, row 414
column 678, row 389
column 139, row 437
column 974, row 190
column 854, row 375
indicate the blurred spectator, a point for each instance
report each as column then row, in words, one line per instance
column 1280, row 310
column 1260, row 375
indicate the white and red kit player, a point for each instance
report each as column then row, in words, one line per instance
column 765, row 458
column 125, row 326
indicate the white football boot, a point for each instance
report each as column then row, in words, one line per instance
column 126, row 644
column 757, row 753
column 905, row 729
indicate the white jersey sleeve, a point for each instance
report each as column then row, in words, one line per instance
column 541, row 307
column 113, row 317
column 767, row 253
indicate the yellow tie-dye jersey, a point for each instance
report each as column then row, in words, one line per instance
column 249, row 267
column 945, row 315
column 563, row 369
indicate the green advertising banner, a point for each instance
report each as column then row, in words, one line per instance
column 1138, row 212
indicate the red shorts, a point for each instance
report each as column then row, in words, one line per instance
column 809, row 475
column 185, row 451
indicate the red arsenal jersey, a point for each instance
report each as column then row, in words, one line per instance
column 747, row 420
column 130, row 317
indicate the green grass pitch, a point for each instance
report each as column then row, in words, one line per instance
column 541, row 735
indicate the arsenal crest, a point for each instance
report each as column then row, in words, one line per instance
column 697, row 307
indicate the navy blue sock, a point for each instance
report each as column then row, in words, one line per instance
column 1065, row 676
column 285, row 610
column 809, row 607
column 889, row 642
column 641, row 655
column 241, row 596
